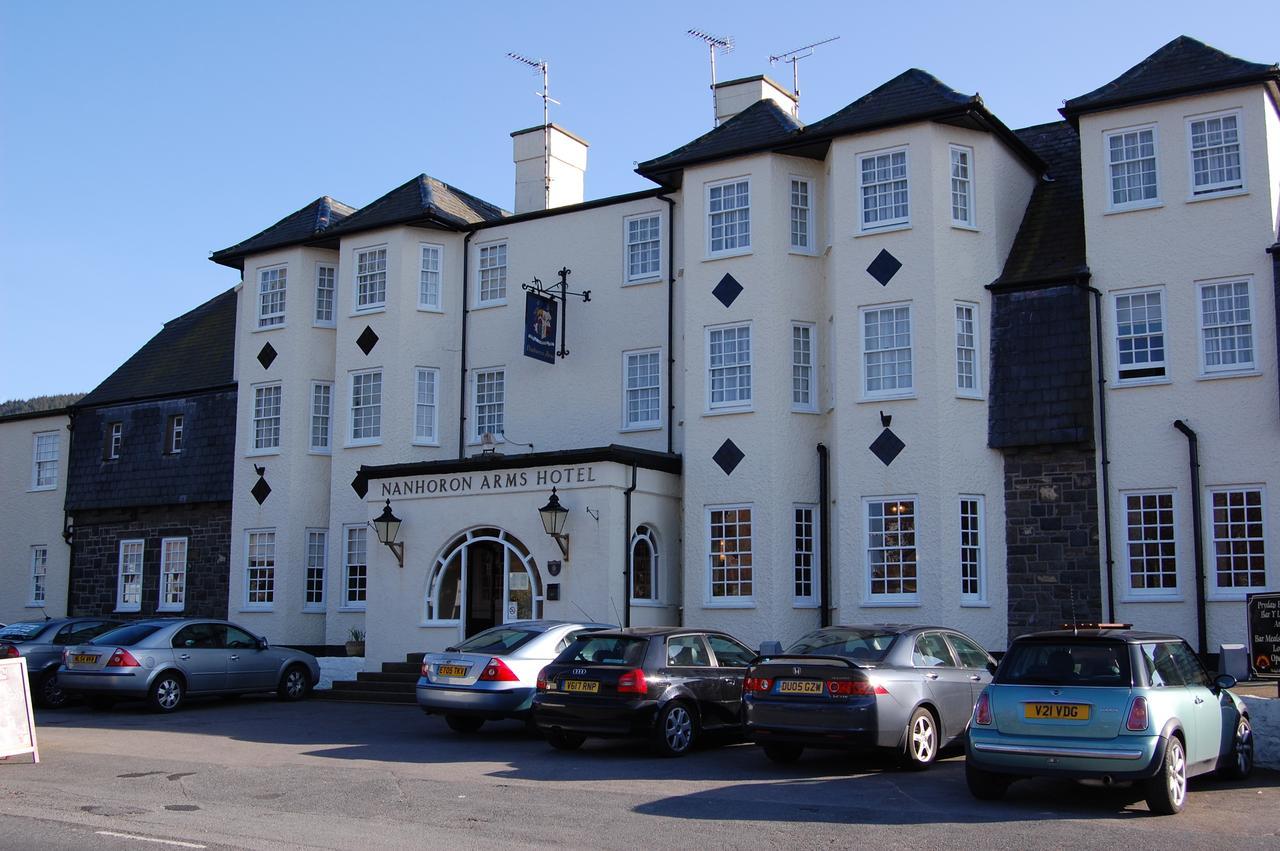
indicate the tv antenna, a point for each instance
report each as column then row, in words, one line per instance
column 713, row 43
column 540, row 65
column 793, row 57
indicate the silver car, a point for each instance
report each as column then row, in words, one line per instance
column 41, row 643
column 494, row 673
column 163, row 660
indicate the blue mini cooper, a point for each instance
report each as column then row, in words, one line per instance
column 1111, row 705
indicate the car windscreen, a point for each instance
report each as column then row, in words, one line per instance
column 500, row 640
column 126, row 636
column 864, row 646
column 1066, row 663
column 606, row 650
column 17, row 632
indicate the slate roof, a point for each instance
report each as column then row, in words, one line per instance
column 194, row 352
column 421, row 199
column 1182, row 66
column 297, row 227
column 761, row 126
column 913, row 95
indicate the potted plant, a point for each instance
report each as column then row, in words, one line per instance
column 355, row 644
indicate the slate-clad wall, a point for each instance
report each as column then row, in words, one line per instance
column 95, row 560
column 1051, row 527
column 144, row 474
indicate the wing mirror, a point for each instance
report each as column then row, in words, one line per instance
column 770, row 648
column 262, row 644
column 1223, row 681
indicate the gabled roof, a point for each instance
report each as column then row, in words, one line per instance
column 1182, row 66
column 913, row 95
column 761, row 126
column 422, row 199
column 297, row 227
column 192, row 353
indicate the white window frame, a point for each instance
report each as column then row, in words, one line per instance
column 644, row 533
column 38, row 585
column 643, row 277
column 272, row 316
column 1163, row 333
column 799, row 555
column 975, row 317
column 374, row 409
column 797, row 212
column 501, row 271
column 1228, row 187
column 176, row 428
column 979, row 543
column 432, row 436
column 178, row 572
column 364, row 284
column 310, row 566
column 907, row 392
column 477, row 432
column 971, row 221
column 874, row 598
column 740, row 403
column 348, row 603
column 739, row 248
column 315, row 415
column 115, row 440
column 318, row 319
column 1131, row 594
column 1219, row 592
column 425, row 301
column 627, row 390
column 894, row 223
column 736, row 601
column 267, row 564
column 269, row 442
column 1250, row 368
column 798, row 368
column 1108, row 166
column 45, row 478
column 134, row 588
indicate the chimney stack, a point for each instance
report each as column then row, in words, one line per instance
column 733, row 96
column 551, row 164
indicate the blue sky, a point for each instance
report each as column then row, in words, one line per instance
column 137, row 137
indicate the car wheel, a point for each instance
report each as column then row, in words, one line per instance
column 463, row 723
column 562, row 741
column 295, row 683
column 783, row 754
column 985, row 785
column 166, row 693
column 921, row 746
column 48, row 693
column 1237, row 763
column 1167, row 791
column 675, row 731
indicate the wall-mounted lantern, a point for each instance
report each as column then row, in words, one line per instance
column 387, row 526
column 554, row 516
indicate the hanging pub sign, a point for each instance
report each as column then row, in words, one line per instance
column 539, row 327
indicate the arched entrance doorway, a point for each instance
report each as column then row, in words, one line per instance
column 483, row 578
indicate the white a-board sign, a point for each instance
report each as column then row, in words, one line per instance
column 17, row 723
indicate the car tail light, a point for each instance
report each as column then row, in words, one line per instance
column 758, row 685
column 1138, row 719
column 9, row 651
column 982, row 710
column 853, row 688
column 122, row 658
column 633, row 682
column 498, row 672
column 544, row 682
column 426, row 669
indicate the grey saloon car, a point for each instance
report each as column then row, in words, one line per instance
column 41, row 643
column 163, row 660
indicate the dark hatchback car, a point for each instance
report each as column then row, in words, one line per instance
column 665, row 684
column 41, row 644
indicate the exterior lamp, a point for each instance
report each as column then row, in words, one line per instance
column 553, row 517
column 387, row 526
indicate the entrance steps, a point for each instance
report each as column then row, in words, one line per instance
column 395, row 683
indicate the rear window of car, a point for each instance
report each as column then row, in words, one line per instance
column 16, row 632
column 1066, row 663
column 860, row 645
column 501, row 640
column 607, row 650
column 126, row 635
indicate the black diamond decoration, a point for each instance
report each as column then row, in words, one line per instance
column 261, row 490
column 367, row 340
column 728, row 456
column 727, row 290
column 360, row 486
column 887, row 446
column 884, row 267
column 267, row 356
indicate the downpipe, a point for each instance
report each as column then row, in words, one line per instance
column 1197, row 528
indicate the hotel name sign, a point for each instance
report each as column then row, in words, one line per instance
column 456, row 484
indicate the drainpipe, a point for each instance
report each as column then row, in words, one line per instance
column 824, row 535
column 671, row 297
column 462, row 358
column 1197, row 527
column 1106, row 459
column 626, row 541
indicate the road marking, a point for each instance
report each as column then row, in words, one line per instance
column 149, row 839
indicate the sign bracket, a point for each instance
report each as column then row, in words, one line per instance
column 559, row 292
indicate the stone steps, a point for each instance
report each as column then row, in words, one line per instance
column 395, row 683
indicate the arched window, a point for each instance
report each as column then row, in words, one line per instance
column 644, row 564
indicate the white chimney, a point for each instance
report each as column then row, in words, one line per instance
column 733, row 96
column 550, row 165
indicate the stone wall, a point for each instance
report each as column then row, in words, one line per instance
column 95, row 557
column 1052, row 538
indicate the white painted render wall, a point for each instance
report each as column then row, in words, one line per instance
column 31, row 517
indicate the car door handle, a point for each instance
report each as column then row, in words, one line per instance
column 975, row 678
column 184, row 655
column 233, row 658
column 931, row 676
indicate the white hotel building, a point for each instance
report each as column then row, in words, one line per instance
column 842, row 372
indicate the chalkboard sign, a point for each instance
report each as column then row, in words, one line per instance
column 1264, row 635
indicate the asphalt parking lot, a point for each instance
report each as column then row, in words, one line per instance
column 255, row 773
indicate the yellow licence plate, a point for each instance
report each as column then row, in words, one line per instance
column 584, row 686
column 452, row 670
column 1057, row 711
column 85, row 658
column 799, row 687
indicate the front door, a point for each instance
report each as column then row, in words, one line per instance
column 484, row 586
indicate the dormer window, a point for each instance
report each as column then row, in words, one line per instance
column 729, row 218
column 884, row 190
column 371, row 279
column 1215, row 154
column 1131, row 158
column 271, row 296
